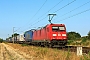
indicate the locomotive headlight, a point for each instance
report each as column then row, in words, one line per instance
column 59, row 34
column 63, row 34
column 54, row 35
column 64, row 38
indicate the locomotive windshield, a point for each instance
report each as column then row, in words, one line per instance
column 61, row 28
column 58, row 28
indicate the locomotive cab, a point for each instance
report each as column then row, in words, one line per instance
column 57, row 35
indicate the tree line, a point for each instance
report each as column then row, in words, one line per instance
column 75, row 36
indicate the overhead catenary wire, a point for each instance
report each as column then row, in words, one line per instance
column 52, row 8
column 64, row 6
column 37, row 21
column 75, row 15
column 39, row 9
column 58, row 9
column 49, row 10
column 34, row 14
column 46, row 13
column 74, row 9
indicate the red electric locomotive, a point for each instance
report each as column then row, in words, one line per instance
column 51, row 35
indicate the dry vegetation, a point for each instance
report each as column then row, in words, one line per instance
column 85, row 43
column 40, row 53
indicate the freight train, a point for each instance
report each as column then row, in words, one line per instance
column 50, row 35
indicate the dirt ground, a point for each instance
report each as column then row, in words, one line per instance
column 9, row 51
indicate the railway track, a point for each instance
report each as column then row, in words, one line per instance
column 85, row 50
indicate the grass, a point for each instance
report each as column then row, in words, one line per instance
column 82, row 42
column 68, row 55
column 24, row 44
column 40, row 53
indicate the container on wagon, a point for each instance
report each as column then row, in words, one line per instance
column 28, row 35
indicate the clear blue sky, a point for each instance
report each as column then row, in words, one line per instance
column 25, row 14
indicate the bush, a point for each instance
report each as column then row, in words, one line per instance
column 84, row 40
column 73, row 35
column 1, row 40
column 70, row 41
column 88, row 35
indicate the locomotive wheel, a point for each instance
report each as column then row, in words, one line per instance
column 51, row 45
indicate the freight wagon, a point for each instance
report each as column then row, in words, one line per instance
column 20, row 38
column 28, row 35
